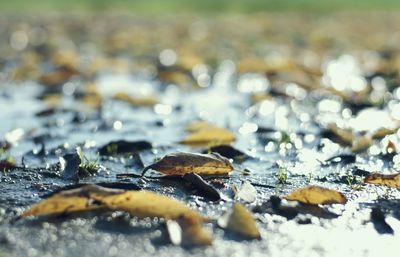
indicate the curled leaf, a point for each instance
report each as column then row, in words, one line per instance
column 205, row 188
column 89, row 197
column 148, row 204
column 241, row 221
column 392, row 180
column 180, row 163
column 316, row 195
column 204, row 133
column 71, row 201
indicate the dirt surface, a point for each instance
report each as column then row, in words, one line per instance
column 277, row 83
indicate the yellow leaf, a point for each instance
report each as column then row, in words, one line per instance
column 382, row 132
column 198, row 125
column 241, row 221
column 148, row 204
column 203, row 133
column 361, row 143
column 70, row 201
column 316, row 195
column 136, row 101
column 392, row 180
column 259, row 97
column 181, row 163
column 193, row 231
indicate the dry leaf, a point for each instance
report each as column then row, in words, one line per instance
column 181, row 163
column 193, row 231
column 57, row 77
column 138, row 203
column 203, row 133
column 241, row 221
column 148, row 204
column 316, row 195
column 205, row 188
column 392, row 180
column 361, row 143
column 382, row 132
column 345, row 135
column 70, row 201
column 136, row 101
column 89, row 197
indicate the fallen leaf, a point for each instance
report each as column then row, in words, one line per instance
column 342, row 159
column 345, row 136
column 392, row 180
column 290, row 209
column 361, row 143
column 93, row 100
column 144, row 204
column 111, row 185
column 229, row 152
column 316, row 195
column 136, row 101
column 71, row 201
column 240, row 221
column 89, row 197
column 123, row 146
column 204, row 133
column 207, row 190
column 57, row 77
column 180, row 163
column 382, row 132
column 194, row 232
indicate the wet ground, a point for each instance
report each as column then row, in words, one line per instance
column 281, row 85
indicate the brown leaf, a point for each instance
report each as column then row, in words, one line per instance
column 181, row 163
column 136, row 101
column 148, row 204
column 194, row 232
column 382, row 132
column 240, row 221
column 89, row 197
column 345, row 136
column 205, row 188
column 361, row 143
column 203, row 133
column 392, row 180
column 316, row 195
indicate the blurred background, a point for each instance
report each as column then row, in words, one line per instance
column 165, row 6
